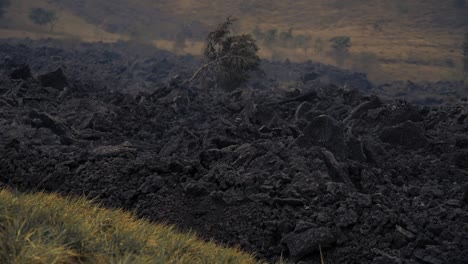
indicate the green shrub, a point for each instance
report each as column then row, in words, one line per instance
column 42, row 17
column 301, row 41
column 270, row 37
column 258, row 33
column 341, row 42
column 229, row 58
column 286, row 37
column 318, row 45
column 340, row 45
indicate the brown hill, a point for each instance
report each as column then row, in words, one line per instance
column 391, row 40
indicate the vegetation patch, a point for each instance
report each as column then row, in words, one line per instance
column 46, row 228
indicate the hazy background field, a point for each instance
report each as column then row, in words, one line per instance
column 418, row 40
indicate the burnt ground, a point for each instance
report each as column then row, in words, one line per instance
column 280, row 172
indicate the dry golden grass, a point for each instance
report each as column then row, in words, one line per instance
column 46, row 228
column 67, row 25
column 416, row 40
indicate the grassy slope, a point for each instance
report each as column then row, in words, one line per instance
column 417, row 40
column 68, row 25
column 42, row 228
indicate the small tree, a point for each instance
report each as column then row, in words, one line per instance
column 318, row 45
column 302, row 41
column 230, row 58
column 258, row 33
column 341, row 45
column 43, row 17
column 270, row 37
column 286, row 37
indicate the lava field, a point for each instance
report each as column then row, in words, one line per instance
column 278, row 172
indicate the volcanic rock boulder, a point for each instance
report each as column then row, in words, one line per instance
column 324, row 131
column 374, row 103
column 336, row 170
column 310, row 76
column 23, row 73
column 353, row 80
column 355, row 149
column 114, row 151
column 197, row 188
column 302, row 243
column 402, row 111
column 302, row 110
column 461, row 159
column 152, row 184
column 55, row 79
column 462, row 142
column 40, row 119
column 408, row 135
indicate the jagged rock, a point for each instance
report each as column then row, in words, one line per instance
column 310, row 76
column 45, row 120
column 326, row 132
column 230, row 165
column 462, row 142
column 374, row 103
column 302, row 109
column 260, row 198
column 63, row 93
column 55, row 79
column 405, row 232
column 336, row 170
column 353, row 80
column 346, row 217
column 258, row 114
column 152, row 184
column 246, row 153
column 401, row 112
column 461, row 159
column 423, row 256
column 306, row 242
column 465, row 194
column 408, row 135
column 355, row 149
column 374, row 151
column 114, row 151
column 197, row 188
column 232, row 197
column 289, row 201
column 311, row 115
column 23, row 73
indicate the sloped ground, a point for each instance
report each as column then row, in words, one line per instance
column 46, row 228
column 279, row 172
column 391, row 40
column 409, row 40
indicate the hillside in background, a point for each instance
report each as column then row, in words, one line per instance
column 390, row 40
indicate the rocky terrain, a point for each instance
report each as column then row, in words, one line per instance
column 429, row 93
column 280, row 172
